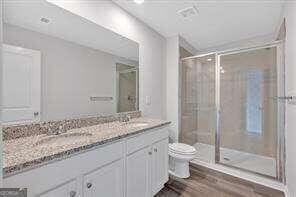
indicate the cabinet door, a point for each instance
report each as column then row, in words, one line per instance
column 107, row 181
column 66, row 190
column 138, row 173
column 159, row 165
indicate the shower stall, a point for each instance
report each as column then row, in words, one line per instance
column 232, row 109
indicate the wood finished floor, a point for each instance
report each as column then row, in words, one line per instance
column 204, row 183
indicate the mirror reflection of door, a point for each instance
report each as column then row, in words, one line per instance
column 21, row 85
column 127, row 88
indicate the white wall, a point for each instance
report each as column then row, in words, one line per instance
column 290, row 15
column 151, row 52
column 1, row 21
column 71, row 73
column 172, row 85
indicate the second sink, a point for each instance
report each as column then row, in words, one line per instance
column 62, row 139
column 137, row 124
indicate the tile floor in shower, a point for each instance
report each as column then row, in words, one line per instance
column 256, row 163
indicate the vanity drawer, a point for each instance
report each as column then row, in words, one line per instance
column 143, row 140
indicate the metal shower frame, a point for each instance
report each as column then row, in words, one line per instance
column 280, row 155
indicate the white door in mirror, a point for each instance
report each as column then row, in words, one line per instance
column 21, row 84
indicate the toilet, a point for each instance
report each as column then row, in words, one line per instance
column 179, row 156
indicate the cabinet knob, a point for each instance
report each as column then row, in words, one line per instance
column 155, row 150
column 72, row 193
column 88, row 185
column 150, row 153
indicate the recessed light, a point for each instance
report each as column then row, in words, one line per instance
column 139, row 1
column 209, row 59
column 45, row 20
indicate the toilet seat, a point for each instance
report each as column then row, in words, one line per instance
column 182, row 149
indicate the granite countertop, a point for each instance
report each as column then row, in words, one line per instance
column 28, row 152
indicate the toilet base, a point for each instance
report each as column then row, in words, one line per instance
column 179, row 168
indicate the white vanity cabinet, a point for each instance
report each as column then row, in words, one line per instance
column 159, row 165
column 105, row 181
column 147, row 164
column 67, row 189
column 130, row 167
column 138, row 167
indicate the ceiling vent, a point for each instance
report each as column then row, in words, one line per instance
column 188, row 12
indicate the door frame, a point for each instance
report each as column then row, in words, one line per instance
column 36, row 90
column 280, row 157
column 280, row 154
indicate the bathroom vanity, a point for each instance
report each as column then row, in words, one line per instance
column 68, row 97
column 129, row 161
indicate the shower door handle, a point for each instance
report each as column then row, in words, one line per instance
column 283, row 97
column 289, row 99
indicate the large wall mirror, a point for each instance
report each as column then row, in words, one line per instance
column 58, row 65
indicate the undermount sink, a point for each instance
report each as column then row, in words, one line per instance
column 138, row 124
column 62, row 139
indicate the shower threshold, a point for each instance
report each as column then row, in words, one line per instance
column 239, row 159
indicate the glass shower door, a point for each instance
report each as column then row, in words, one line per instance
column 198, row 105
column 248, row 115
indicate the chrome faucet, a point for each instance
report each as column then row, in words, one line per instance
column 125, row 118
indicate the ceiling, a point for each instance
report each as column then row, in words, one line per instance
column 217, row 22
column 67, row 26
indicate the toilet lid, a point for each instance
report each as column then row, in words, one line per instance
column 182, row 148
